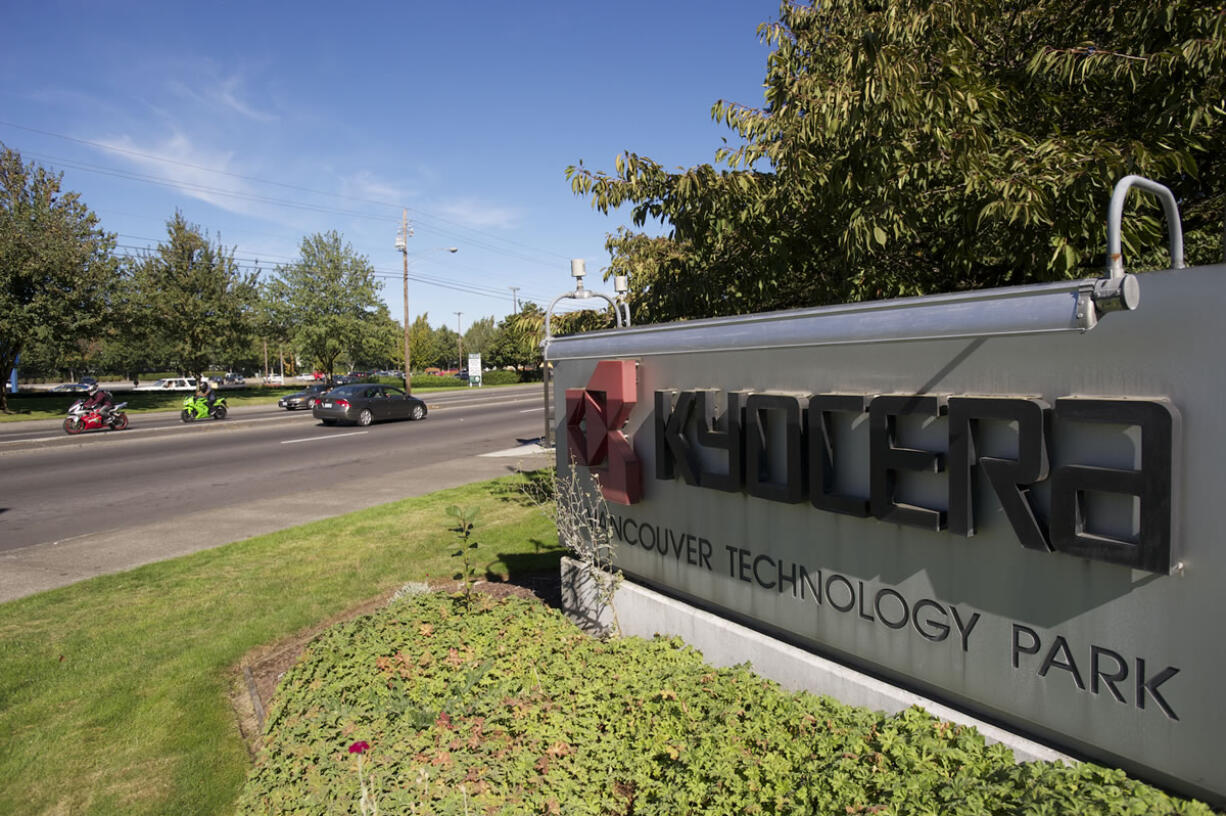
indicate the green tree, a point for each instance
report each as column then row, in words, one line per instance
column 195, row 303
column 133, row 342
column 329, row 298
column 56, row 268
column 518, row 341
column 447, row 341
column 918, row 146
column 382, row 343
column 478, row 336
column 423, row 347
column 274, row 324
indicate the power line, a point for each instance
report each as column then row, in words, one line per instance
column 257, row 256
column 252, row 265
column 217, row 191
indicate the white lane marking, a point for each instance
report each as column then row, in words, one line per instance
column 522, row 450
column 530, row 410
column 479, row 403
column 318, row 438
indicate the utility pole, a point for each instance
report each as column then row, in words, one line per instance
column 459, row 340
column 402, row 244
column 514, row 299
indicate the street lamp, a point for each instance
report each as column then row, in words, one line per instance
column 402, row 244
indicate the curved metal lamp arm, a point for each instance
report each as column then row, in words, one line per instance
column 1119, row 291
column 581, row 294
column 1115, row 259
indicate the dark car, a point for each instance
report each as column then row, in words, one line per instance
column 303, row 398
column 363, row 403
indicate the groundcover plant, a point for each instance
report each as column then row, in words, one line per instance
column 434, row 706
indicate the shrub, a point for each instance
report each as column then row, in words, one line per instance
column 508, row 708
column 436, row 381
column 500, row 377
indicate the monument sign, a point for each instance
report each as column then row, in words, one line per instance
column 999, row 499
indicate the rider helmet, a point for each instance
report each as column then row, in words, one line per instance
column 93, row 388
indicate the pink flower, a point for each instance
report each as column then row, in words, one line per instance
column 359, row 747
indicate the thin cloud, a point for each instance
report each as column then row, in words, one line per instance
column 192, row 170
column 226, row 93
column 366, row 186
column 478, row 215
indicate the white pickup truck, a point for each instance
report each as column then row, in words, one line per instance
column 171, row 384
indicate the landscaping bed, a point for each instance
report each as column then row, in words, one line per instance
column 435, row 704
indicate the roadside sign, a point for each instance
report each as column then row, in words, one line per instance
column 474, row 369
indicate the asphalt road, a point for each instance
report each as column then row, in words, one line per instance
column 73, row 507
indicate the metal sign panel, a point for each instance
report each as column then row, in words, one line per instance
column 972, row 495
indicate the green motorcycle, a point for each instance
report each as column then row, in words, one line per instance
column 198, row 408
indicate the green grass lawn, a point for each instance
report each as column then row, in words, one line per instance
column 114, row 691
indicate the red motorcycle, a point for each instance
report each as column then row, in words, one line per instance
column 81, row 418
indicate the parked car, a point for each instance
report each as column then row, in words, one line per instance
column 303, row 398
column 70, row 387
column 362, row 404
column 232, row 378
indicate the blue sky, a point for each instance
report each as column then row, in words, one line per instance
column 284, row 119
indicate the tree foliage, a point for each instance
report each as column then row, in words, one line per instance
column 518, row 341
column 479, row 335
column 329, row 298
column 56, row 267
column 423, row 347
column 447, row 346
column 918, row 146
column 381, row 342
column 190, row 301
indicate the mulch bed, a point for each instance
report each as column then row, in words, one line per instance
column 256, row 678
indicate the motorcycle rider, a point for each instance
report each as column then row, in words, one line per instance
column 100, row 399
column 205, row 390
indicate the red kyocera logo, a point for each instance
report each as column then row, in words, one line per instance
column 594, row 418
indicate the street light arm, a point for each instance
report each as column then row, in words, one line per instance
column 402, row 244
column 578, row 294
